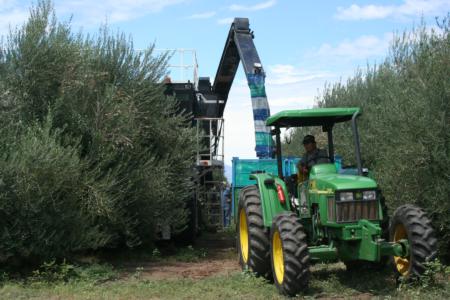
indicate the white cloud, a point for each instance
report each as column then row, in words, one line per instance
column 257, row 6
column 299, row 94
column 356, row 12
column 95, row 12
column 362, row 47
column 282, row 74
column 294, row 102
column 204, row 15
column 225, row 21
column 11, row 15
column 408, row 8
column 5, row 4
column 238, row 114
column 86, row 12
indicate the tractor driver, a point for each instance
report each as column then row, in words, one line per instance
column 313, row 155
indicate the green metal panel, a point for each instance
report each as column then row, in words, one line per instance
column 323, row 253
column 323, row 169
column 360, row 241
column 311, row 117
column 400, row 248
column 245, row 168
column 325, row 176
column 345, row 182
column 271, row 206
column 242, row 169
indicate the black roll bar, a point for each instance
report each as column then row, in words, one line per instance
column 357, row 145
column 278, row 152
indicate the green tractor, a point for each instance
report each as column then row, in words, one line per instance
column 285, row 224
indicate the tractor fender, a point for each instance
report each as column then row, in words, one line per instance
column 271, row 206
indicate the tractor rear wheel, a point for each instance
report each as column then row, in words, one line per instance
column 411, row 223
column 253, row 237
column 289, row 253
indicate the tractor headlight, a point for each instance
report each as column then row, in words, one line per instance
column 369, row 195
column 346, row 196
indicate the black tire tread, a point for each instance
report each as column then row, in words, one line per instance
column 259, row 245
column 295, row 254
column 421, row 236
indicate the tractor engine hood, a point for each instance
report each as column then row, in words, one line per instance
column 326, row 177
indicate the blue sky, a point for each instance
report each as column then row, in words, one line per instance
column 302, row 44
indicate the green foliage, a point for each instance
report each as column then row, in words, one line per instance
column 190, row 254
column 292, row 145
column 434, row 272
column 103, row 281
column 327, row 281
column 42, row 190
column 92, row 154
column 156, row 254
column 138, row 273
column 181, row 254
column 405, row 127
column 52, row 272
column 435, row 277
column 96, row 273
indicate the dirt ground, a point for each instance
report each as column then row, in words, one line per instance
column 193, row 270
column 213, row 273
column 222, row 262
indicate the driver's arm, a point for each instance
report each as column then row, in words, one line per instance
column 302, row 167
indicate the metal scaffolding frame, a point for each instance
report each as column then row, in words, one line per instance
column 210, row 142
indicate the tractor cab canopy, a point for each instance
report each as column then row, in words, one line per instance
column 325, row 117
column 312, row 117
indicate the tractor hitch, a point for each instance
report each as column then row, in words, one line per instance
column 399, row 248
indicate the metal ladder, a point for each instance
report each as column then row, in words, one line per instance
column 210, row 158
column 213, row 204
column 210, row 142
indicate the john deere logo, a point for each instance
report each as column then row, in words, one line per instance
column 358, row 195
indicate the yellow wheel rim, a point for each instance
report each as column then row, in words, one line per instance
column 401, row 263
column 277, row 257
column 243, row 235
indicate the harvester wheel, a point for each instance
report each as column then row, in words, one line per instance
column 253, row 237
column 411, row 223
column 289, row 253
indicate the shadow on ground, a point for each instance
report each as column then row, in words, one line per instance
column 334, row 279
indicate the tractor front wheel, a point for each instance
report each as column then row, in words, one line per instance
column 412, row 224
column 289, row 253
column 253, row 237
